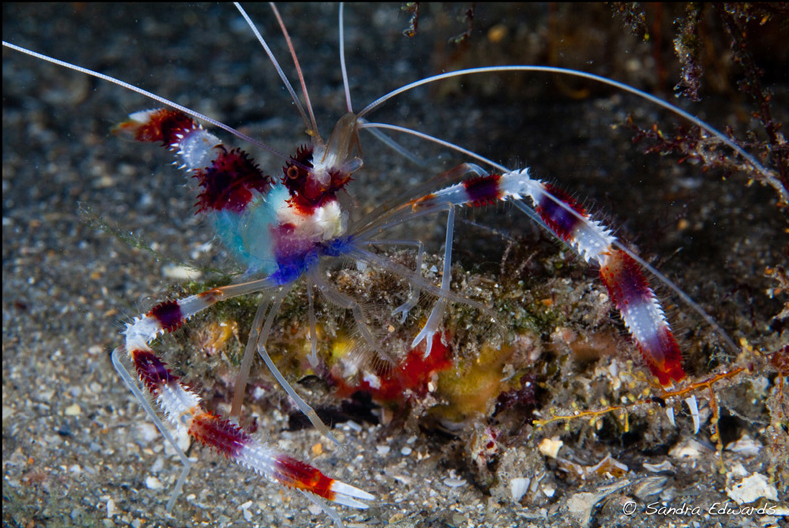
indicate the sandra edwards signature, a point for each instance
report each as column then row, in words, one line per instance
column 716, row 508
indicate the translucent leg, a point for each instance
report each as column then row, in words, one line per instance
column 313, row 357
column 308, row 411
column 425, row 285
column 246, row 362
column 413, row 297
column 344, row 301
column 320, row 503
column 131, row 383
column 437, row 314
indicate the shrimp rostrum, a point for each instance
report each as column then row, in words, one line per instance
column 288, row 226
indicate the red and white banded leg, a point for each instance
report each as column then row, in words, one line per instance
column 183, row 408
column 619, row 269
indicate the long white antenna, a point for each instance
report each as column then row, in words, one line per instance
column 314, row 127
column 274, row 61
column 768, row 175
column 150, row 95
column 342, row 61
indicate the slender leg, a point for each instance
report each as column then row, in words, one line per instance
column 437, row 313
column 260, row 346
column 344, row 301
column 313, row 357
column 131, row 383
column 620, row 269
column 184, row 411
column 246, row 361
column 413, row 297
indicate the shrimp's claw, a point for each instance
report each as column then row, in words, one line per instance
column 346, row 495
column 299, row 475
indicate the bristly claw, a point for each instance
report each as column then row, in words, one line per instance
column 296, row 474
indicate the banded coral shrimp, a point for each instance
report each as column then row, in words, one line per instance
column 113, row 193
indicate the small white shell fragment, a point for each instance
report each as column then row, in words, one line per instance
column 259, row 393
column 649, row 486
column 157, row 466
column 613, row 369
column 73, row 410
column 549, row 490
column 657, row 468
column 688, row 449
column 182, row 438
column 670, row 414
column 694, row 412
column 745, row 446
column 550, row 446
column 353, row 426
column 454, row 482
column 404, row 479
column 372, row 380
column 383, row 450
column 173, row 271
column 153, row 483
column 518, row 488
column 751, row 489
column 609, row 465
column 111, row 509
column 146, row 433
column 737, row 470
column 580, row 506
column 406, row 451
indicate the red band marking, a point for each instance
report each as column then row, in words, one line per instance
column 627, row 287
column 222, row 435
column 163, row 125
column 168, row 314
column 409, row 378
column 421, row 203
column 483, row 190
column 297, row 474
column 561, row 221
column 229, row 182
column 211, row 296
column 306, row 192
column 663, row 357
column 151, row 370
column 624, row 280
